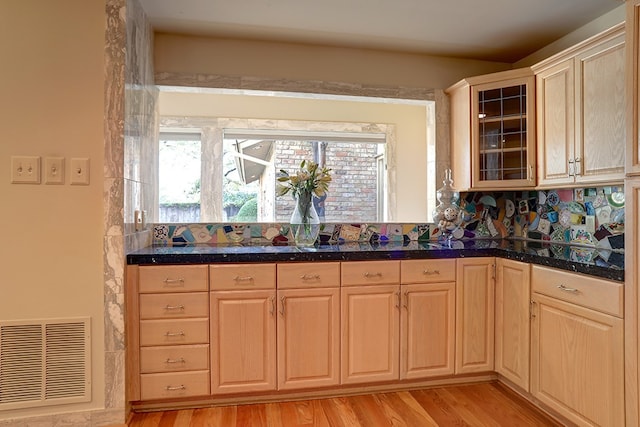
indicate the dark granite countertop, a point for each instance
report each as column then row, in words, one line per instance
column 571, row 258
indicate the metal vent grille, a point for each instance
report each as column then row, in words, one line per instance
column 44, row 362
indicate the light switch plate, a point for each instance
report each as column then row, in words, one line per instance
column 79, row 171
column 53, row 170
column 25, row 169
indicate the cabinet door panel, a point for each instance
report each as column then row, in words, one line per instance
column 577, row 362
column 427, row 330
column 555, row 119
column 370, row 333
column 601, row 113
column 308, row 338
column 512, row 321
column 503, row 134
column 474, row 315
column 243, row 341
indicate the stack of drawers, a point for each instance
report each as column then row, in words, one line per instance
column 174, row 331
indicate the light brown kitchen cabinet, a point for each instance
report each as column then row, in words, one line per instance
column 243, row 336
column 370, row 317
column 581, row 112
column 243, row 328
column 631, row 294
column 577, row 364
column 308, row 326
column 475, row 290
column 632, row 52
column 512, row 324
column 170, row 332
column 493, row 131
column 427, row 321
column 556, row 123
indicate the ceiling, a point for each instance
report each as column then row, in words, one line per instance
column 496, row 30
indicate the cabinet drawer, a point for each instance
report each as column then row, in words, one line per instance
column 173, row 278
column 243, row 276
column 168, row 332
column 370, row 273
column 174, row 358
column 590, row 292
column 428, row 270
column 309, row 275
column 174, row 306
column 174, row 384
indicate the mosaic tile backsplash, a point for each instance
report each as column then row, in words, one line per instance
column 579, row 218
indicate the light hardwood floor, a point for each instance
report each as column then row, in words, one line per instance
column 475, row 405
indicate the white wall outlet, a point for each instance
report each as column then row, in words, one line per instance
column 25, row 169
column 79, row 173
column 53, row 170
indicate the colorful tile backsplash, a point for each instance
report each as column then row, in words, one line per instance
column 579, row 218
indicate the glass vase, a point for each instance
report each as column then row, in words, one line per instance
column 305, row 223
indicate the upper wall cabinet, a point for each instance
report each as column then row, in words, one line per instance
column 580, row 98
column 493, row 131
column 633, row 87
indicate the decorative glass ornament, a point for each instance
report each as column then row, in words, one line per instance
column 447, row 215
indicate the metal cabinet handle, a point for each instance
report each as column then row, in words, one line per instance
column 531, row 176
column 572, row 168
column 398, row 301
column 174, row 307
column 181, row 360
column 243, row 279
column 367, row 274
column 566, row 289
column 310, row 277
column 532, row 307
column 273, row 305
column 174, row 334
column 283, row 299
column 578, row 170
column 175, row 388
column 406, row 300
column 430, row 272
column 169, row 282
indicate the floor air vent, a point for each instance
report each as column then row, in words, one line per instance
column 44, row 362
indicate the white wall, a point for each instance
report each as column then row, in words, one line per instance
column 51, row 104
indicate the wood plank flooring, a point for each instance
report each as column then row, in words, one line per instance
column 474, row 405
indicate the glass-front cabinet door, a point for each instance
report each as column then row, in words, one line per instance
column 503, row 134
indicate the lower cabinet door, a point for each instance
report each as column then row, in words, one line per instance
column 475, row 291
column 427, row 330
column 577, row 362
column 512, row 325
column 370, row 333
column 243, row 341
column 308, row 338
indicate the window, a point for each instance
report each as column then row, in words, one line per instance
column 251, row 161
column 217, row 174
column 179, row 156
